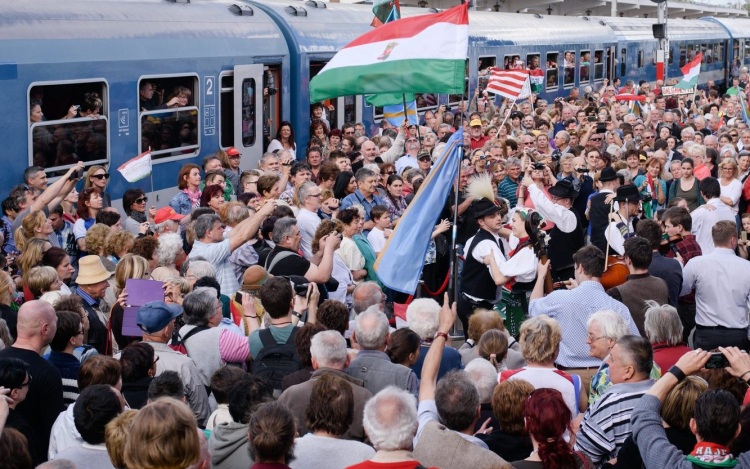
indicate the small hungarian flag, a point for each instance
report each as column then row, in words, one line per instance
column 420, row 54
column 537, row 80
column 137, row 168
column 690, row 72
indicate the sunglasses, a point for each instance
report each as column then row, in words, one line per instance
column 142, row 200
column 390, row 173
column 595, row 139
column 100, row 176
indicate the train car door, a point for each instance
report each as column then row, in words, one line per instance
column 248, row 113
column 611, row 73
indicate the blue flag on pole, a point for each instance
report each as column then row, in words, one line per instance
column 395, row 114
column 400, row 263
column 745, row 117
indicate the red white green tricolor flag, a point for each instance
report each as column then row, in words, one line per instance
column 421, row 54
column 136, row 168
column 690, row 72
column 536, row 78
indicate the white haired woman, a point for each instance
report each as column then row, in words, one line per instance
column 169, row 252
column 664, row 331
column 604, row 328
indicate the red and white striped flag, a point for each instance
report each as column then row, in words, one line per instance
column 512, row 84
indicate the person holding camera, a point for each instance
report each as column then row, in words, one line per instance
column 539, row 175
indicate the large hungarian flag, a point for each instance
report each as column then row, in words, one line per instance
column 690, row 72
column 421, row 54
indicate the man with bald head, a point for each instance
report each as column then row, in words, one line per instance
column 371, row 152
column 37, row 324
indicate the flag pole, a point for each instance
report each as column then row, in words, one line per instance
column 453, row 267
column 508, row 112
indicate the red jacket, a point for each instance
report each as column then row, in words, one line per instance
column 479, row 143
column 666, row 356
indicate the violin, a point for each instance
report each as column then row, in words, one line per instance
column 669, row 244
column 615, row 272
column 548, row 287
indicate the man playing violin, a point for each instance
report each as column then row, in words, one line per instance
column 621, row 222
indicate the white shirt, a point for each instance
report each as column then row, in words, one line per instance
column 308, row 223
column 406, row 161
column 733, row 190
column 704, row 220
column 522, row 266
column 276, row 145
column 563, row 218
column 615, row 238
column 376, row 237
column 722, row 288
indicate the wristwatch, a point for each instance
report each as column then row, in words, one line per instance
column 678, row 373
column 298, row 315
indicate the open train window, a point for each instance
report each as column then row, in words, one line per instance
column 715, row 53
column 585, row 66
column 623, row 62
column 720, row 57
column 690, row 53
column 552, row 75
column 683, row 56
column 598, row 65
column 513, row 62
column 640, row 59
column 533, row 61
column 68, row 123
column 569, row 78
column 483, row 71
column 706, row 54
column 168, row 116
column 226, row 111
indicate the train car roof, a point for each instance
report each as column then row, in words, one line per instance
column 736, row 27
column 84, row 30
column 494, row 28
column 639, row 29
column 327, row 27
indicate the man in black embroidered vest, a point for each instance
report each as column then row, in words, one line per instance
column 478, row 289
column 620, row 225
column 567, row 236
column 599, row 208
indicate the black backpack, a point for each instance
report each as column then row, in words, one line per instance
column 276, row 360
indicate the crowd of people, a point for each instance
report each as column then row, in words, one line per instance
column 602, row 292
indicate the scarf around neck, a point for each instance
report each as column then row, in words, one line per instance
column 707, row 454
column 195, row 197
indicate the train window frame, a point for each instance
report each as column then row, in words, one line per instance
column 530, row 55
column 623, row 61
column 704, row 52
column 683, row 55
column 479, row 79
column 581, row 67
column 599, row 65
column 229, row 90
column 722, row 51
column 104, row 115
column 197, row 97
column 572, row 83
column 640, row 59
column 548, row 70
column 715, row 56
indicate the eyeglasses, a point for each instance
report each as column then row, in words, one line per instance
column 648, row 137
column 527, row 143
column 390, row 173
column 26, row 384
column 100, row 176
column 349, row 132
column 141, row 200
column 596, row 139
column 733, row 135
column 80, row 332
column 156, row 359
column 591, row 338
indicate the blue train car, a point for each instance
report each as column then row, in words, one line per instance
column 571, row 51
column 738, row 55
column 636, row 49
column 213, row 56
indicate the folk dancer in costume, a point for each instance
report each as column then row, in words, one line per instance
column 621, row 222
column 567, row 234
column 518, row 273
column 478, row 289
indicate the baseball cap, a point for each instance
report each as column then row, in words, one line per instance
column 475, row 122
column 155, row 316
column 424, row 154
column 167, row 213
column 231, row 151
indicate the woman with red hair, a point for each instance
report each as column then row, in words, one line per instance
column 547, row 420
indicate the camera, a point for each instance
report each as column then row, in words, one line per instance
column 269, row 82
column 301, row 289
column 647, row 198
column 538, row 166
column 601, row 127
column 76, row 175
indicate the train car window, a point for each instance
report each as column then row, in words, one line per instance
column 746, row 53
column 690, row 53
column 640, row 59
column 226, row 111
column 721, row 52
column 736, row 49
column 513, row 62
column 623, row 62
column 329, row 105
column 271, row 103
column 715, row 52
column 248, row 112
column 169, row 117
column 483, row 71
column 569, row 78
column 706, row 54
column 68, row 123
column 671, row 56
column 533, row 61
column 598, row 65
column 585, row 66
column 552, row 75
column 683, row 56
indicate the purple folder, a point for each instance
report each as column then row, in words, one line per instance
column 129, row 326
column 140, row 292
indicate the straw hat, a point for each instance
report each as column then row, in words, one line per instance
column 91, row 271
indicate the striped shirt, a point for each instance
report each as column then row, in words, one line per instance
column 68, row 365
column 606, row 424
column 507, row 189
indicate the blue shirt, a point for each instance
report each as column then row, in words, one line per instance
column 359, row 198
column 572, row 309
column 86, row 297
column 451, row 361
